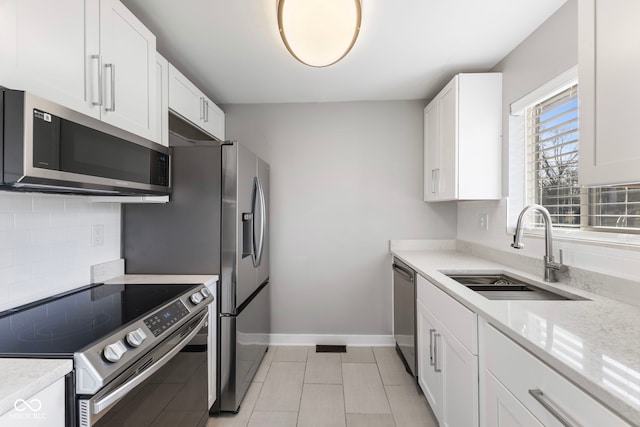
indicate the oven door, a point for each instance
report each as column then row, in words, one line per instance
column 167, row 387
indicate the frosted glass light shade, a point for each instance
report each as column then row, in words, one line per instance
column 319, row 32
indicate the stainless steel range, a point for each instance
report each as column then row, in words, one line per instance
column 139, row 351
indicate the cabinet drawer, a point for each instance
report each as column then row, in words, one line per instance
column 519, row 372
column 458, row 319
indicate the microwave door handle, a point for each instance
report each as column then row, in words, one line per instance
column 117, row 394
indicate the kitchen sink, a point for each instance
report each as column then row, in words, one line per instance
column 504, row 287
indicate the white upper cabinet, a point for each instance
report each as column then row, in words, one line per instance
column 186, row 100
column 42, row 50
column 162, row 98
column 92, row 56
column 128, row 51
column 462, row 140
column 609, row 66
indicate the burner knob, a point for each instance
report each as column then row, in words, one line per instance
column 196, row 298
column 205, row 292
column 113, row 352
column 137, row 337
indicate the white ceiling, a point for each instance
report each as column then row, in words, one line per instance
column 407, row 49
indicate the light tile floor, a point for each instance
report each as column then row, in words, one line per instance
column 365, row 387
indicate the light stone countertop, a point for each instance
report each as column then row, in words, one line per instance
column 595, row 343
column 23, row 378
column 207, row 280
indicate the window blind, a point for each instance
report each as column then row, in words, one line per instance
column 552, row 157
column 614, row 207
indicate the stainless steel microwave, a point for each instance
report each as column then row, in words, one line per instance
column 48, row 147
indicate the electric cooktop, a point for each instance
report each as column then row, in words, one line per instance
column 57, row 327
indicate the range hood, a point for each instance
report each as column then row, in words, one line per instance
column 183, row 132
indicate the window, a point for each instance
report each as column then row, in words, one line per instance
column 552, row 156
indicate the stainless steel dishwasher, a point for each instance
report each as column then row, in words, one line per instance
column 404, row 314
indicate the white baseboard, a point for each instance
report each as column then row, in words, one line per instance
column 327, row 339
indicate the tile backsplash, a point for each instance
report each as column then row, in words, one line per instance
column 46, row 243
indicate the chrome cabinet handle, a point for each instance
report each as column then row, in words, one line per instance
column 403, row 272
column 433, row 181
column 202, row 108
column 435, row 353
column 206, row 111
column 97, row 69
column 539, row 396
column 431, row 331
column 112, row 68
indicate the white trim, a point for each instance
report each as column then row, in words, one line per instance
column 552, row 87
column 328, row 339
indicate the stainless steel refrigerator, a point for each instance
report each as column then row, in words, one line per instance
column 217, row 222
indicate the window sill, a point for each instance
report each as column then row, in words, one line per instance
column 594, row 238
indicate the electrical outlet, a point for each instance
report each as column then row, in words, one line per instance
column 483, row 221
column 97, row 235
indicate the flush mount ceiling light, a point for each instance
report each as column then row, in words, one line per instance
column 319, row 33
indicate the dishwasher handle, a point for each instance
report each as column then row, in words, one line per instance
column 408, row 274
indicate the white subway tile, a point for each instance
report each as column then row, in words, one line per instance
column 17, row 202
column 26, row 255
column 48, row 204
column 48, row 236
column 65, row 219
column 32, row 220
column 14, row 239
column 6, row 221
column 77, row 205
column 16, row 273
column 6, row 260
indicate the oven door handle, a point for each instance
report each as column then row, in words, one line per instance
column 117, row 394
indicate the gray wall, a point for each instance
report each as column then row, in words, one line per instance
column 345, row 178
column 548, row 52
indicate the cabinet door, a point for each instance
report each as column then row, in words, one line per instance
column 43, row 50
column 213, row 121
column 185, row 99
column 162, row 97
column 448, row 169
column 430, row 381
column 431, row 151
column 459, row 380
column 609, row 62
column 502, row 409
column 128, row 51
column 46, row 408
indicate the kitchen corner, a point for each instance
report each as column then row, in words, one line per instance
column 586, row 341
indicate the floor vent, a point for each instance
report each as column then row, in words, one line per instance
column 331, row 348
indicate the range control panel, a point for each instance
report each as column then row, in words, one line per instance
column 162, row 320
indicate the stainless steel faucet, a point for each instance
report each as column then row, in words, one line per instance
column 550, row 266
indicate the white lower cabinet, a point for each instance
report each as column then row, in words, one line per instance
column 447, row 367
column 45, row 408
column 500, row 408
column 518, row 389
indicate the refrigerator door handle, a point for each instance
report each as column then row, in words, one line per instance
column 255, row 256
column 263, row 222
